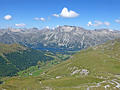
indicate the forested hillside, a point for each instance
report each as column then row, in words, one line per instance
column 14, row 58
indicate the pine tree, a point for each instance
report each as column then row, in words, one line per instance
column 1, row 81
column 39, row 63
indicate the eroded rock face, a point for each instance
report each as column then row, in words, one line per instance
column 76, row 70
column 60, row 38
column 84, row 72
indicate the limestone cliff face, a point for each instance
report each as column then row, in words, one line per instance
column 62, row 37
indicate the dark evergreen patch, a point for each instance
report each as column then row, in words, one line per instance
column 27, row 58
column 14, row 58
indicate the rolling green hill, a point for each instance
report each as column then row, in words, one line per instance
column 100, row 62
column 14, row 58
column 95, row 68
column 102, row 59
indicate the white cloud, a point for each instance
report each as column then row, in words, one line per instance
column 107, row 23
column 20, row 25
column 89, row 23
column 7, row 17
column 56, row 15
column 117, row 20
column 39, row 19
column 42, row 19
column 36, row 18
column 47, row 27
column 58, row 26
column 66, row 14
column 98, row 23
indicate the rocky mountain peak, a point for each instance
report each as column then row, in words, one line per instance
column 63, row 37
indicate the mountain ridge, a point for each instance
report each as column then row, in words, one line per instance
column 62, row 38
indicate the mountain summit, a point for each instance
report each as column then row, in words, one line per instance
column 61, row 38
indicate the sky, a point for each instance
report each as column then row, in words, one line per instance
column 90, row 14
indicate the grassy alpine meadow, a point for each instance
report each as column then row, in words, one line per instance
column 32, row 83
column 93, row 68
column 40, row 83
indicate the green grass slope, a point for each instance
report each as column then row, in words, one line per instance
column 98, row 60
column 95, row 68
column 5, row 48
column 102, row 62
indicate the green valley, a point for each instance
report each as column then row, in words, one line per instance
column 94, row 68
column 14, row 58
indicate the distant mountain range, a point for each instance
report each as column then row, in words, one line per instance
column 59, row 39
